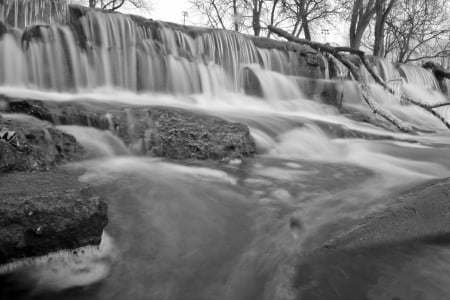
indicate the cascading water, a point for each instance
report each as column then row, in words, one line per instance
column 203, row 230
column 23, row 13
column 419, row 76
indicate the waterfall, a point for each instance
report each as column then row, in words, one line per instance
column 76, row 49
column 114, row 50
column 272, row 85
column 419, row 76
column 23, row 13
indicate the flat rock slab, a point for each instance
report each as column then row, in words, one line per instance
column 47, row 211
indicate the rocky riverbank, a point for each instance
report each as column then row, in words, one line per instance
column 44, row 208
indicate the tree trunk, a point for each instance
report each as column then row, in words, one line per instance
column 362, row 13
column 92, row 3
column 378, row 47
column 305, row 22
column 381, row 13
column 306, row 30
column 256, row 23
column 272, row 16
column 355, row 42
column 235, row 12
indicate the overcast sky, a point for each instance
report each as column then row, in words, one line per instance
column 166, row 10
column 169, row 10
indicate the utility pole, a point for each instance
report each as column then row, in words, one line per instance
column 185, row 14
column 325, row 32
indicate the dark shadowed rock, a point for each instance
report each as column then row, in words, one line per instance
column 44, row 212
column 37, row 145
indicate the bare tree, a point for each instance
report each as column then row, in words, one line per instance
column 115, row 4
column 418, row 29
column 306, row 14
column 239, row 15
column 223, row 14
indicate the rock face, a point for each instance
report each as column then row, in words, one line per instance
column 157, row 131
column 179, row 134
column 36, row 145
column 44, row 212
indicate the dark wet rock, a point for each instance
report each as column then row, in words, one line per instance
column 157, row 131
column 45, row 212
column 3, row 29
column 33, row 108
column 36, row 145
column 30, row 34
column 66, row 113
column 440, row 73
column 180, row 134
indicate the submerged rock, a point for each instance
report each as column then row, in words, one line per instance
column 45, row 212
column 30, row 144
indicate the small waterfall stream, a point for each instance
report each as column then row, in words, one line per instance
column 203, row 230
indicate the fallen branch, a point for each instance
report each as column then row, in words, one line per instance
column 428, row 107
column 365, row 90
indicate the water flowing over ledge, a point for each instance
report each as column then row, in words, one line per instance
column 90, row 48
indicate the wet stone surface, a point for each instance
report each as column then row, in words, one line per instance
column 43, row 212
column 27, row 144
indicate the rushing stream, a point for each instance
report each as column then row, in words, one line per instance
column 238, row 230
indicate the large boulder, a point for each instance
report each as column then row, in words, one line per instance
column 45, row 212
column 180, row 134
column 28, row 144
